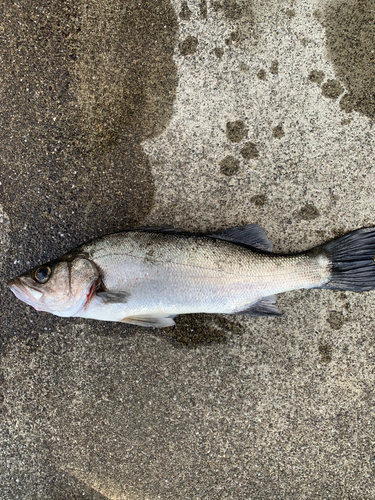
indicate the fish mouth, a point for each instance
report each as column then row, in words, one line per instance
column 27, row 294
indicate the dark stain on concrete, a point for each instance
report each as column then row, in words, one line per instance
column 232, row 9
column 249, row 151
column 194, row 329
column 185, row 12
column 235, row 36
column 274, row 68
column 82, row 86
column 278, row 132
column 240, row 12
column 244, row 67
column 290, row 13
column 236, row 131
column 259, row 200
column 325, row 352
column 346, row 121
column 335, row 319
column 309, row 212
column 316, row 76
column 188, row 46
column 219, row 52
column 203, row 9
column 332, row 89
column 229, row 166
column 262, row 74
column 350, row 40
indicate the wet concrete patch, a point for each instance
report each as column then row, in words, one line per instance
column 278, row 132
column 316, row 76
column 229, row 166
column 262, row 74
column 219, row 52
column 346, row 121
column 203, row 9
column 332, row 89
column 350, row 40
column 259, row 200
column 189, row 46
column 232, row 9
column 290, row 13
column 249, row 151
column 325, row 352
column 194, row 329
column 239, row 12
column 236, row 131
column 185, row 12
column 335, row 320
column 308, row 212
column 274, row 68
column 83, row 85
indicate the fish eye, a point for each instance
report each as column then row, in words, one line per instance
column 42, row 274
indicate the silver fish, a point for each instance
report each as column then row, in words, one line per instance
column 149, row 276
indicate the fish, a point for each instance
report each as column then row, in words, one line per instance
column 148, row 276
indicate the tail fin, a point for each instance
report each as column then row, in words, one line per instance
column 352, row 261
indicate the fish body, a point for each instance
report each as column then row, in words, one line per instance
column 147, row 277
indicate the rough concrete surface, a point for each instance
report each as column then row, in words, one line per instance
column 204, row 115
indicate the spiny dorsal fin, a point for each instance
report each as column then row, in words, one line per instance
column 251, row 235
column 264, row 307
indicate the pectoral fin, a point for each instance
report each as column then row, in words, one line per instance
column 113, row 297
column 264, row 307
column 151, row 321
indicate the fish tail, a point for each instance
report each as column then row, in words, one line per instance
column 352, row 265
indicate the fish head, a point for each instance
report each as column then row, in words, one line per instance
column 62, row 287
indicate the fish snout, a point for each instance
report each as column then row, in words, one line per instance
column 23, row 292
column 14, row 285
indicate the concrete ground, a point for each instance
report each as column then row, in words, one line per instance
column 204, row 115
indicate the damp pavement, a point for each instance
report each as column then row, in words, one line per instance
column 202, row 115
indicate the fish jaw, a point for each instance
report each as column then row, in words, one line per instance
column 24, row 293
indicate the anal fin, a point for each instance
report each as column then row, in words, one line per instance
column 150, row 321
column 264, row 307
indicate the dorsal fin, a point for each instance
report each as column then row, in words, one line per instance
column 251, row 235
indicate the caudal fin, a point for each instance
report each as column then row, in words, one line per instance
column 352, row 257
